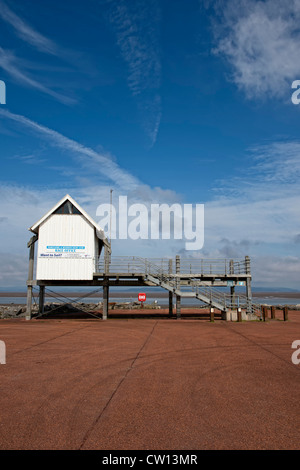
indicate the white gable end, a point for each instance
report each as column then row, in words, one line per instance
column 69, row 243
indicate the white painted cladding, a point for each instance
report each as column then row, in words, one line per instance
column 67, row 248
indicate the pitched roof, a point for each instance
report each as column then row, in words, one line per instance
column 99, row 231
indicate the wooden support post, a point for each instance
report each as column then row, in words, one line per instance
column 105, row 299
column 170, row 293
column 178, row 307
column 29, row 303
column 41, row 300
column 30, row 277
column 285, row 313
column 178, row 298
column 265, row 312
column 170, row 304
column 106, row 259
column 273, row 312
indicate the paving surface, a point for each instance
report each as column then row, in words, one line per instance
column 149, row 384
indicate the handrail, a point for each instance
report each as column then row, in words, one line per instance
column 203, row 266
column 212, row 266
column 227, row 300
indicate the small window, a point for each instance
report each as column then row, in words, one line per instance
column 67, row 208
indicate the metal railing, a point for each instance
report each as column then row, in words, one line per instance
column 205, row 266
column 227, row 301
column 135, row 264
column 213, row 266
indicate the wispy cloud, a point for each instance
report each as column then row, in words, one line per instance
column 27, row 32
column 136, row 30
column 260, row 40
column 258, row 213
column 273, row 172
column 19, row 69
column 278, row 162
column 136, row 25
column 99, row 162
column 29, row 159
column 8, row 63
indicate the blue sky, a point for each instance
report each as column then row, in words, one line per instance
column 163, row 101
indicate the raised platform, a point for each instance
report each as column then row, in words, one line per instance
column 183, row 277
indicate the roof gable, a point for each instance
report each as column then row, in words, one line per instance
column 99, row 231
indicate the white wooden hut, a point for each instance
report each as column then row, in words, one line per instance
column 69, row 243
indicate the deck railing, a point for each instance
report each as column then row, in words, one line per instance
column 205, row 266
column 213, row 266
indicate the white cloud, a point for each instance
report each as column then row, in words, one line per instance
column 13, row 270
column 29, row 159
column 274, row 271
column 273, row 174
column 99, row 162
column 279, row 162
column 8, row 63
column 136, row 25
column 19, row 69
column 26, row 32
column 262, row 223
column 261, row 40
column 136, row 31
column 262, row 205
column 258, row 214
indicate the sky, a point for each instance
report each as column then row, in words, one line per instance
column 186, row 102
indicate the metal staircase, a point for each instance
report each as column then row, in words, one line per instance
column 208, row 295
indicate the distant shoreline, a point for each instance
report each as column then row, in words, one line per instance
column 130, row 295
